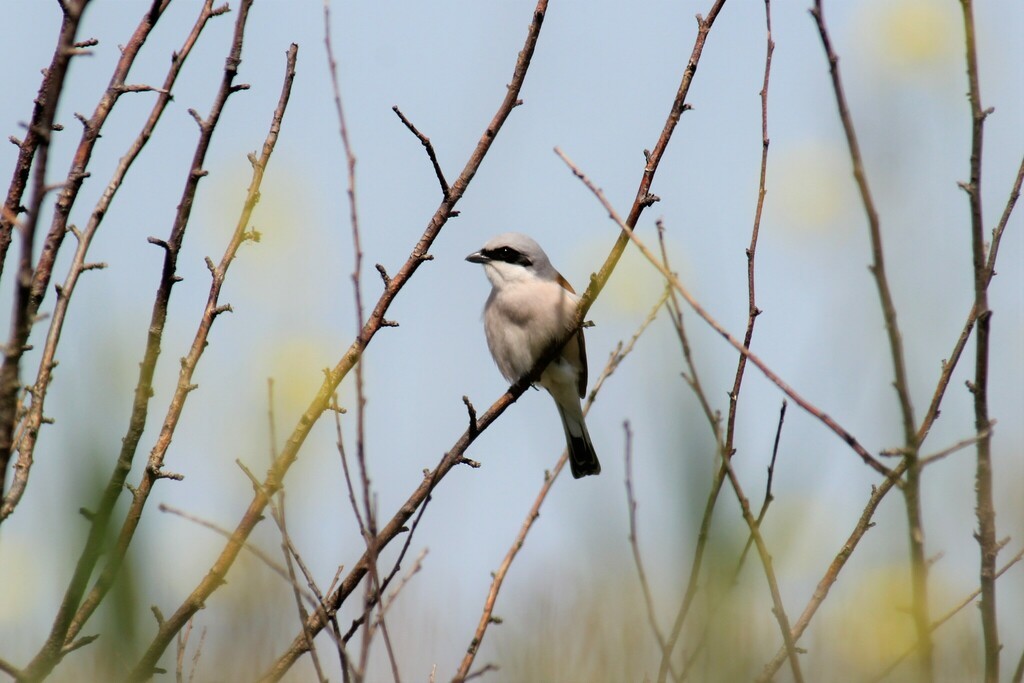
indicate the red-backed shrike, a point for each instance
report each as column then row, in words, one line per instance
column 531, row 305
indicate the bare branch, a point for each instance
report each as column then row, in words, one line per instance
column 985, row 508
column 425, row 141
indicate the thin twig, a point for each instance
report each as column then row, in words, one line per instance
column 369, row 525
column 985, row 507
column 58, row 229
column 425, row 141
column 768, row 498
column 950, row 364
column 277, row 511
column 182, row 642
column 71, row 615
column 455, row 455
column 320, row 402
column 634, row 545
column 929, row 459
column 26, row 443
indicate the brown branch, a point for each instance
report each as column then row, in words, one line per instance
column 33, row 155
column 291, row 555
column 986, row 534
column 190, row 361
column 954, row 357
column 143, row 668
column 71, row 616
column 714, row 422
column 26, row 444
column 752, row 310
column 959, row 445
column 425, row 141
column 692, row 379
column 455, row 455
column 644, row 198
column 486, row 617
column 37, row 136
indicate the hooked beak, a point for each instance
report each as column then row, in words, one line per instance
column 477, row 257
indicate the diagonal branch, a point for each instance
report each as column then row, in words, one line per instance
column 154, row 471
column 33, row 156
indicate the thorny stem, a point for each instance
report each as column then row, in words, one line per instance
column 34, row 417
column 986, row 513
column 33, row 156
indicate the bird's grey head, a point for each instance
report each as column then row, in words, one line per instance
column 512, row 257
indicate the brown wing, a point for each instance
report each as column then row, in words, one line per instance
column 565, row 283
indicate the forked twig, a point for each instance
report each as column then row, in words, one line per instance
column 425, row 141
column 985, row 507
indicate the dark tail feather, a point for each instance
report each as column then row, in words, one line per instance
column 582, row 458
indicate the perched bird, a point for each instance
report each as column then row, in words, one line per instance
column 531, row 306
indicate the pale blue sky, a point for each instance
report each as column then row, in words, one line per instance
column 600, row 85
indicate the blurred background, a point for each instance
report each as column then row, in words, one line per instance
column 600, row 86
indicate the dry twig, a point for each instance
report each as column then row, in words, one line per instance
column 986, row 513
